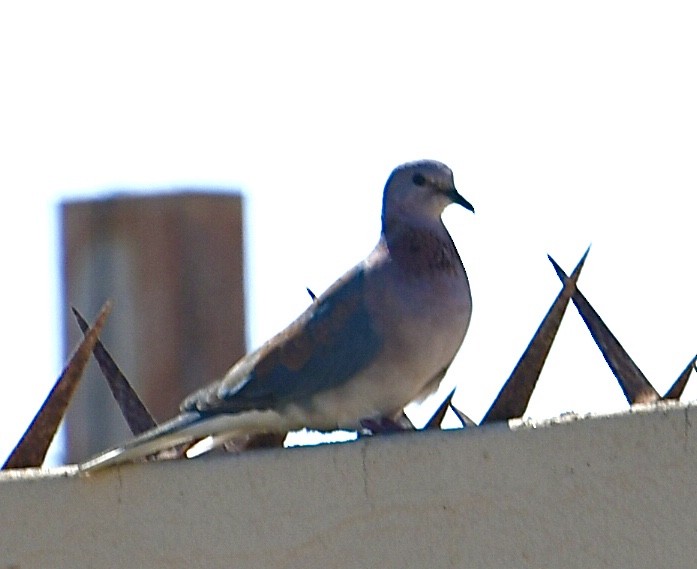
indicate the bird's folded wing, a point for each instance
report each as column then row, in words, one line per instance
column 325, row 347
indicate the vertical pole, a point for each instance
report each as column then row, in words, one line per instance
column 173, row 265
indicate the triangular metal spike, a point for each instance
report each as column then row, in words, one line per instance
column 678, row 387
column 515, row 394
column 435, row 421
column 636, row 388
column 132, row 408
column 464, row 419
column 33, row 446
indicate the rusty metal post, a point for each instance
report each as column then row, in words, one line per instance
column 173, row 265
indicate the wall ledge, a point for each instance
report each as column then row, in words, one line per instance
column 597, row 491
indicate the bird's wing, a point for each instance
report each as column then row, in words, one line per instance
column 330, row 342
column 326, row 346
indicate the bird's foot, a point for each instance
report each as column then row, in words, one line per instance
column 385, row 425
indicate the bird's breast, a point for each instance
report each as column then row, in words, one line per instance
column 424, row 252
column 421, row 303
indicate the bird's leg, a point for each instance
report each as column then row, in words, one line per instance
column 386, row 425
column 260, row 440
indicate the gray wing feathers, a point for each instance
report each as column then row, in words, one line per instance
column 326, row 346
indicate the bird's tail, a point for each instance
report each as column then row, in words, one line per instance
column 188, row 428
column 178, row 431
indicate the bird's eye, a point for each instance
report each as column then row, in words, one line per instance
column 419, row 179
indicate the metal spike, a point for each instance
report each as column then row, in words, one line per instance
column 636, row 388
column 32, row 447
column 678, row 387
column 132, row 408
column 515, row 394
column 464, row 419
column 435, row 421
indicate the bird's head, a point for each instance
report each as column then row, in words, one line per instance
column 420, row 189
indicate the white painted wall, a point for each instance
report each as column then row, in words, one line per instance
column 616, row 491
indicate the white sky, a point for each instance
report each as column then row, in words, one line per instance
column 565, row 124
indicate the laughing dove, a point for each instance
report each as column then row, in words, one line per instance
column 380, row 337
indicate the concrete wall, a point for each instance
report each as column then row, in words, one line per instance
column 618, row 491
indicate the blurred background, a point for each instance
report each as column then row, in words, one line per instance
column 566, row 124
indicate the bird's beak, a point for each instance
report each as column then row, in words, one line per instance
column 455, row 197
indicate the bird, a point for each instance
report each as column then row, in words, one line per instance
column 382, row 336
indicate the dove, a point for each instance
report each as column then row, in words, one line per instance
column 382, row 336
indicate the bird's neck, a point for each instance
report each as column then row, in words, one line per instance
column 421, row 247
